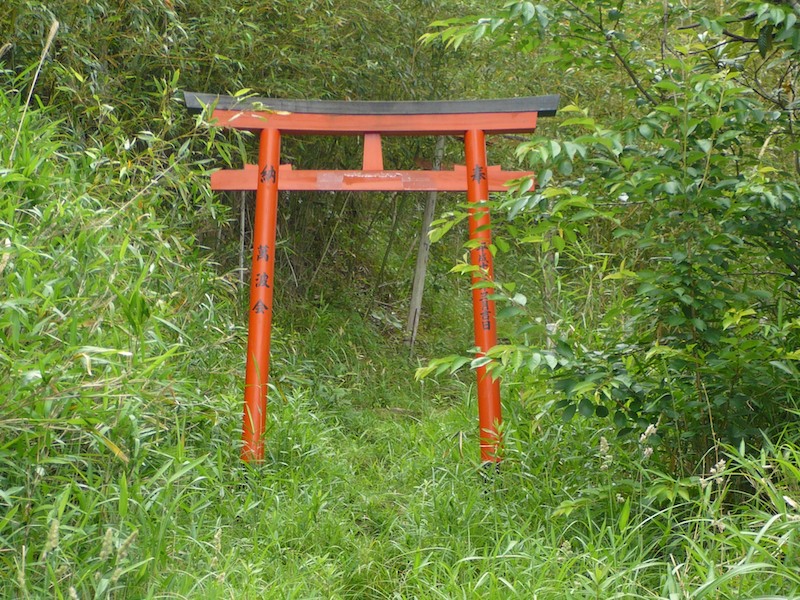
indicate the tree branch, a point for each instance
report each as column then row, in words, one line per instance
column 738, row 37
column 747, row 17
column 625, row 65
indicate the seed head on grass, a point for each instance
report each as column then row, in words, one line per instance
column 108, row 544
column 21, row 569
column 717, row 471
column 605, row 456
column 651, row 430
column 122, row 553
column 217, row 547
column 564, row 550
column 715, row 475
column 52, row 539
column 6, row 256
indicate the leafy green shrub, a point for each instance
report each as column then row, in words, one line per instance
column 684, row 205
column 104, row 289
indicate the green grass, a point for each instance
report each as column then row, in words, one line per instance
column 121, row 375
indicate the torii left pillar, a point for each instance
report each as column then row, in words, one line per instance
column 261, row 290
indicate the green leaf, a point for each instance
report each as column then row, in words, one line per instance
column 508, row 312
column 668, row 109
column 458, row 363
column 672, row 188
column 123, row 497
column 586, row 407
column 479, row 362
column 786, row 368
column 666, row 84
column 572, row 149
column 765, row 40
column 584, row 121
column 624, row 515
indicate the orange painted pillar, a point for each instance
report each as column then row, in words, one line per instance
column 483, row 308
column 261, row 288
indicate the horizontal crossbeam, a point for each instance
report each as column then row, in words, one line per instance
column 289, row 179
column 328, row 124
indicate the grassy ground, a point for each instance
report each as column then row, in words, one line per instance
column 371, row 490
column 120, row 373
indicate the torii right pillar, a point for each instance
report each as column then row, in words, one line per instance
column 483, row 307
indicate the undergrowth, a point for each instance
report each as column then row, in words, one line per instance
column 120, row 373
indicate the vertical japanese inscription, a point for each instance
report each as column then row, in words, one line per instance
column 268, row 173
column 483, row 259
column 483, row 263
column 478, row 173
column 486, row 321
column 261, row 278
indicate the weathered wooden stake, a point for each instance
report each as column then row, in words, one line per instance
column 415, row 305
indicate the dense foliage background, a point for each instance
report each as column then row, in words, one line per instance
column 648, row 287
column 687, row 202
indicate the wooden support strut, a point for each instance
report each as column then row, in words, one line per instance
column 471, row 119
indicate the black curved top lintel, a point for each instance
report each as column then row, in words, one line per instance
column 546, row 106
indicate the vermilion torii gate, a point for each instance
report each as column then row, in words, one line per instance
column 272, row 118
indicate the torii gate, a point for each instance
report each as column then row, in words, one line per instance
column 273, row 118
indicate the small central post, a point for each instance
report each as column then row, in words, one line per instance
column 489, row 412
column 373, row 152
